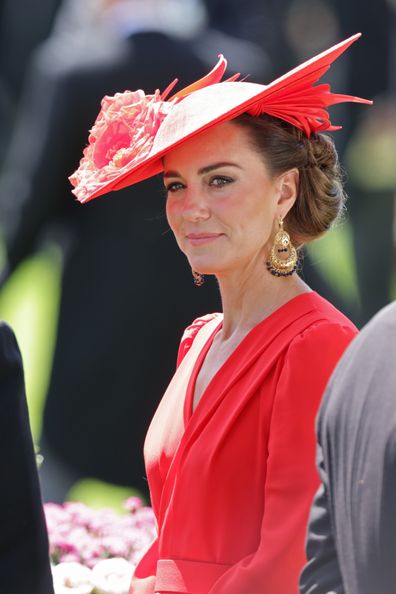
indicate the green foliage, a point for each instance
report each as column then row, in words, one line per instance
column 29, row 303
column 98, row 494
column 333, row 256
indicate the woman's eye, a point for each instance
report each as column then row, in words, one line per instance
column 220, row 180
column 173, row 187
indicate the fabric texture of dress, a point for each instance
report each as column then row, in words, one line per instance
column 232, row 482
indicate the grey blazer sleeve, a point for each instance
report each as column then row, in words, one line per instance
column 322, row 573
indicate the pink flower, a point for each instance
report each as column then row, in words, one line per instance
column 132, row 504
column 77, row 513
column 70, row 558
column 124, row 132
column 115, row 546
column 121, row 137
column 62, row 549
column 80, row 534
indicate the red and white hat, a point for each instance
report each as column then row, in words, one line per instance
column 133, row 131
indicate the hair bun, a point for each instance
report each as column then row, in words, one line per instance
column 321, row 197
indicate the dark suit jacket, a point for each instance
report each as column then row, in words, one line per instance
column 24, row 564
column 351, row 544
column 127, row 291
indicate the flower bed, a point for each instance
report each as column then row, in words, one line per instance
column 95, row 551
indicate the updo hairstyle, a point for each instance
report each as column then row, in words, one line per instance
column 321, row 198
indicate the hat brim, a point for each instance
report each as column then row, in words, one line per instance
column 291, row 97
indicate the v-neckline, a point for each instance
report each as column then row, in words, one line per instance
column 188, row 411
column 189, row 397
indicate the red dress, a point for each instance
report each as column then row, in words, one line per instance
column 232, row 482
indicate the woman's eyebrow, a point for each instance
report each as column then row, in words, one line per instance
column 206, row 169
column 209, row 168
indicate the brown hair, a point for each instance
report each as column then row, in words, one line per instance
column 321, row 197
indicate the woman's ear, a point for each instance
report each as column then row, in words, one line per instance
column 287, row 191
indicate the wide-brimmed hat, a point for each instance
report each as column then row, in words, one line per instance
column 133, row 131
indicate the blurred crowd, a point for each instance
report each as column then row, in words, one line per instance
column 126, row 292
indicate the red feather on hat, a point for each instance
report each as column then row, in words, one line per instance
column 294, row 98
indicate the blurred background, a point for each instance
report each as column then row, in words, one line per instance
column 98, row 295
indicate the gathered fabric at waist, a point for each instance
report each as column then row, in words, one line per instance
column 187, row 577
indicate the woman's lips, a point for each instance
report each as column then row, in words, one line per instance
column 201, row 238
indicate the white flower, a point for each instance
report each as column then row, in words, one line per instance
column 112, row 576
column 72, row 578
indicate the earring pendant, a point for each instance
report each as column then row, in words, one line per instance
column 283, row 257
column 199, row 279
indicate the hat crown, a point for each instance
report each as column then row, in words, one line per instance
column 201, row 108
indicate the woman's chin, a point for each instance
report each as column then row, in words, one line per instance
column 205, row 269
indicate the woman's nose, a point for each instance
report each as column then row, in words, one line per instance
column 195, row 205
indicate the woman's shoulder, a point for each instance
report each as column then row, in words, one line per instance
column 328, row 313
column 325, row 332
column 312, row 348
column 309, row 323
column 192, row 330
column 311, row 310
column 306, row 315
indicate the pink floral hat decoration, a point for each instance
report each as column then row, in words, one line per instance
column 133, row 131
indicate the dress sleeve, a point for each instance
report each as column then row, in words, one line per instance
column 292, row 478
column 190, row 333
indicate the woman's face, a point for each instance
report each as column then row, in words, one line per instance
column 222, row 201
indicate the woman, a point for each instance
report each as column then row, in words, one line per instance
column 230, row 453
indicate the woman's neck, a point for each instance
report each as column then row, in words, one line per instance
column 248, row 298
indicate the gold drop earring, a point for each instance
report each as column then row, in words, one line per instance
column 283, row 257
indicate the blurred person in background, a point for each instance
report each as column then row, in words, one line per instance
column 24, row 560
column 112, row 361
column 370, row 150
column 367, row 143
column 21, row 31
column 259, row 21
column 5, row 117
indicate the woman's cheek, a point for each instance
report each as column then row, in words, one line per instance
column 174, row 219
column 170, row 213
